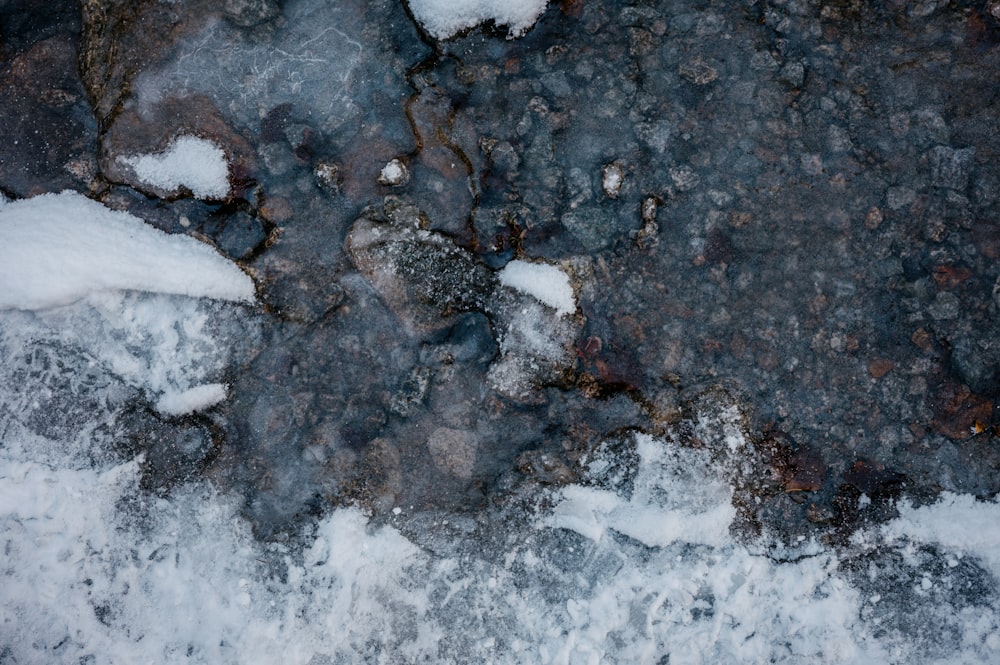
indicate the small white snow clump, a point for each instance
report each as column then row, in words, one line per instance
column 59, row 248
column 445, row 18
column 191, row 400
column 394, row 174
column 612, row 178
column 189, row 161
column 545, row 282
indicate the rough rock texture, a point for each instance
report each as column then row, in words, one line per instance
column 795, row 200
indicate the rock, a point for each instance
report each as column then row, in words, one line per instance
column 453, row 451
column 976, row 360
column 135, row 133
column 946, row 306
column 328, row 177
column 648, row 235
column 874, row 218
column 684, row 178
column 957, row 410
column 423, row 277
column 698, row 71
column 950, row 168
column 50, row 136
column 426, row 280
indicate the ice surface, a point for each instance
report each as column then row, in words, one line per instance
column 544, row 281
column 311, row 64
column 445, row 18
column 60, row 247
column 189, row 161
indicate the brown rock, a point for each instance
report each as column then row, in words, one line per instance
column 922, row 339
column 957, row 410
column 948, row 277
column 49, row 139
column 879, row 367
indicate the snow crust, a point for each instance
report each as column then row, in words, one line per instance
column 59, row 248
column 445, row 18
column 189, row 161
column 545, row 282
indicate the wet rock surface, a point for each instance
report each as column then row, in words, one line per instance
column 795, row 200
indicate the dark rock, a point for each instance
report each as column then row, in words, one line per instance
column 950, row 167
column 50, row 134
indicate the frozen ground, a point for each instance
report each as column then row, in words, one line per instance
column 568, row 332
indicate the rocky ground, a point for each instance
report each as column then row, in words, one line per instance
column 786, row 207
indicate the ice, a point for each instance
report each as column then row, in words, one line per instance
column 652, row 514
column 195, row 163
column 59, row 248
column 312, row 63
column 546, row 282
column 445, row 18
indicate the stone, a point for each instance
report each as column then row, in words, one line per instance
column 453, row 451
column 950, row 168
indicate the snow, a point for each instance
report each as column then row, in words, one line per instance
column 958, row 521
column 191, row 400
column 59, row 248
column 189, row 161
column 445, row 18
column 545, row 282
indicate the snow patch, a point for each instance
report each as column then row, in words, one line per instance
column 445, row 18
column 189, row 161
column 545, row 282
column 59, row 248
column 191, row 400
column 652, row 513
column 957, row 521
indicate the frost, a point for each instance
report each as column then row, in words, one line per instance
column 310, row 63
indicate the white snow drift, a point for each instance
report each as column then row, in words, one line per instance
column 59, row 248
